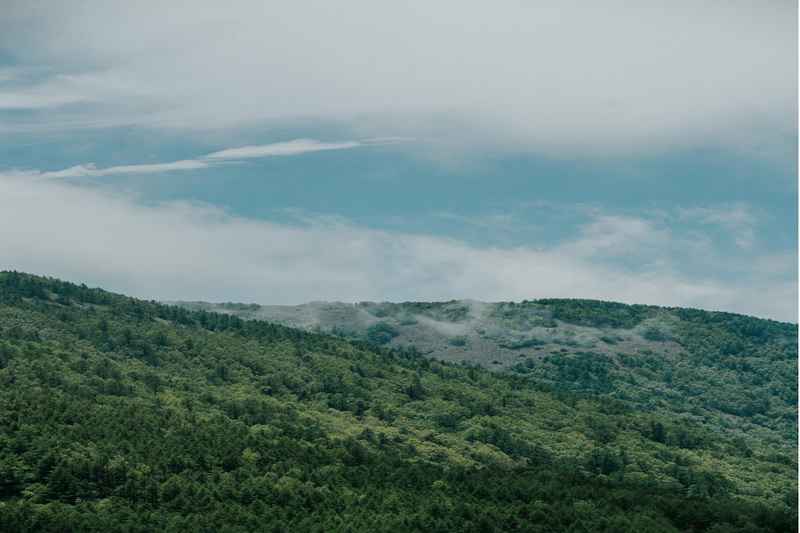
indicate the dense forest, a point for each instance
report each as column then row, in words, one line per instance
column 118, row 414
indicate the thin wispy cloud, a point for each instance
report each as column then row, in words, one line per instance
column 737, row 220
column 279, row 149
column 295, row 147
column 91, row 171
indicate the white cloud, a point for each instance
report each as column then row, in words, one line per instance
column 183, row 251
column 618, row 235
column 548, row 75
column 288, row 148
column 41, row 88
column 738, row 220
column 296, row 147
column 91, row 171
column 35, row 99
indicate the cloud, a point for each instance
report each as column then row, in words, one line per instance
column 186, row 251
column 617, row 235
column 543, row 75
column 738, row 220
column 296, row 147
column 91, row 171
column 35, row 99
column 288, row 148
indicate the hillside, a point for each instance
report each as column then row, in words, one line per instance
column 739, row 371
column 118, row 414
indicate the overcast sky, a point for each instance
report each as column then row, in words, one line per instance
column 286, row 152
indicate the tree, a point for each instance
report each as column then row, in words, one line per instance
column 415, row 390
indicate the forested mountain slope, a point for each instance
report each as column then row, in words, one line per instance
column 733, row 371
column 123, row 415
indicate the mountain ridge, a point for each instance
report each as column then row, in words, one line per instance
column 453, row 327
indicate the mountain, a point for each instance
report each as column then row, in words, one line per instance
column 690, row 363
column 118, row 414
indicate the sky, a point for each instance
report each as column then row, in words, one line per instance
column 281, row 153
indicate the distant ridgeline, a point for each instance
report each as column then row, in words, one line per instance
column 118, row 414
